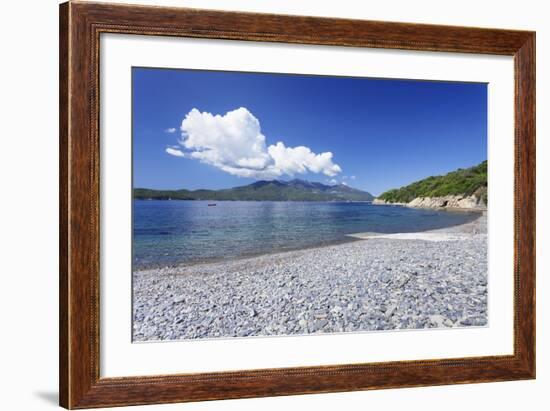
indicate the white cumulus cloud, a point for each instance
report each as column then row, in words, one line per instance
column 291, row 160
column 170, row 130
column 175, row 152
column 235, row 144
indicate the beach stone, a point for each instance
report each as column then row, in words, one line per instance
column 320, row 314
column 437, row 320
column 318, row 325
column 336, row 309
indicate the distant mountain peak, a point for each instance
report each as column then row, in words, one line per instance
column 299, row 181
column 261, row 183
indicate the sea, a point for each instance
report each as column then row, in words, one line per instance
column 169, row 233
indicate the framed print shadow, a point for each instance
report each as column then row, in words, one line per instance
column 258, row 205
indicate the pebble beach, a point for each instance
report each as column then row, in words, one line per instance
column 430, row 279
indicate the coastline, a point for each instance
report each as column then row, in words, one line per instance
column 450, row 202
column 454, row 233
column 379, row 282
column 343, row 238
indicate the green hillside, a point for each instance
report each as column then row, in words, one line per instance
column 467, row 181
column 295, row 190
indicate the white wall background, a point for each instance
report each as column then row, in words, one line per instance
column 28, row 216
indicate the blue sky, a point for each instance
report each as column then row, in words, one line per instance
column 242, row 127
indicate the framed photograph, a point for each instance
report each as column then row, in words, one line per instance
column 259, row 205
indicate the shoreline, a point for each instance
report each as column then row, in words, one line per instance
column 453, row 233
column 347, row 238
column 219, row 260
column 379, row 282
column 446, row 203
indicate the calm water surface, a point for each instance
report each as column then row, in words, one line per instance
column 178, row 232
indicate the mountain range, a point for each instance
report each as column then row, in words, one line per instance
column 273, row 190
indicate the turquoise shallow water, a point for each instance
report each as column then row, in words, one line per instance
column 177, row 232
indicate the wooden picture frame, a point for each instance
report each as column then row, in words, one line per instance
column 80, row 27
